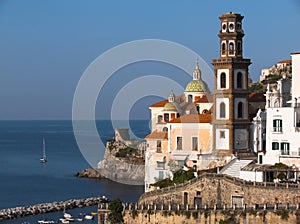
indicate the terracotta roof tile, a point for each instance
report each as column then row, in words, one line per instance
column 202, row 99
column 158, row 135
column 284, row 61
column 160, row 104
column 193, row 118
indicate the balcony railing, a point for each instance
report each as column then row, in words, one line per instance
column 277, row 129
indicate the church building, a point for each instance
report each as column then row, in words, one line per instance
column 199, row 129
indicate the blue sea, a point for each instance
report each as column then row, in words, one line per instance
column 26, row 181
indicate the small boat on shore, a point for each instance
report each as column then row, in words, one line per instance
column 46, row 221
column 88, row 217
column 94, row 213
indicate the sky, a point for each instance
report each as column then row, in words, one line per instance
column 45, row 46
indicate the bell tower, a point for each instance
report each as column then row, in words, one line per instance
column 231, row 126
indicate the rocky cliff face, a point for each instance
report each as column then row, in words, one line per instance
column 121, row 171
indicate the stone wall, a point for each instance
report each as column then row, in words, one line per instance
column 214, row 217
column 222, row 190
column 121, row 171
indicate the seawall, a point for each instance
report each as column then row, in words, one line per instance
column 17, row 212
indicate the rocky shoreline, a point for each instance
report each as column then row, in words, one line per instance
column 90, row 173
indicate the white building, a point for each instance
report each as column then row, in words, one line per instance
column 281, row 68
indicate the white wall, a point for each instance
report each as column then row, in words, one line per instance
column 296, row 75
column 251, row 176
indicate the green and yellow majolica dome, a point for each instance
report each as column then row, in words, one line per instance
column 170, row 107
column 195, row 86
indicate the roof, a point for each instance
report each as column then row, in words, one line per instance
column 193, row 118
column 170, row 107
column 202, row 99
column 257, row 97
column 160, row 104
column 195, row 86
column 157, row 135
column 284, row 61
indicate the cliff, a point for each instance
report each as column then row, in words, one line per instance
column 121, row 169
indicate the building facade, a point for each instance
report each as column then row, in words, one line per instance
column 198, row 129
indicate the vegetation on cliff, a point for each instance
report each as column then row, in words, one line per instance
column 127, row 153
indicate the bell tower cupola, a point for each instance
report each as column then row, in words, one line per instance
column 231, row 35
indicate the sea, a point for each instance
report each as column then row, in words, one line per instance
column 25, row 181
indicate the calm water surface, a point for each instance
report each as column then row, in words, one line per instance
column 25, row 181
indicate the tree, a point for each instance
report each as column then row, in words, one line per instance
column 116, row 211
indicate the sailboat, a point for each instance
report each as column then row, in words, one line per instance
column 43, row 158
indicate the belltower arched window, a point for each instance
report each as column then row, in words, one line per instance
column 222, row 110
column 231, row 48
column 240, row 110
column 223, row 80
column 223, row 48
column 239, row 80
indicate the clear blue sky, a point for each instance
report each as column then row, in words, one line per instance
column 46, row 45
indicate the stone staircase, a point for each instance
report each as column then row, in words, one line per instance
column 234, row 167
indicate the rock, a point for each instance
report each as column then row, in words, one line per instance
column 90, row 173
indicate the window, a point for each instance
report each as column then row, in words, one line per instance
column 222, row 110
column 285, row 148
column 195, row 143
column 277, row 125
column 222, row 134
column 240, row 110
column 179, row 143
column 223, row 80
column 161, row 165
column 239, row 80
column 161, row 175
column 260, row 159
column 205, row 111
column 223, row 48
column 165, row 129
column 224, row 26
column 166, row 117
column 190, row 98
column 158, row 146
column 159, row 118
column 231, row 48
column 275, row 146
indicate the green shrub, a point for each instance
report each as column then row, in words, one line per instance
column 116, row 211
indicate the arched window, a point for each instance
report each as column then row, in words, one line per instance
column 239, row 80
column 190, row 98
column 240, row 110
column 231, row 48
column 223, row 48
column 223, row 80
column 222, row 110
